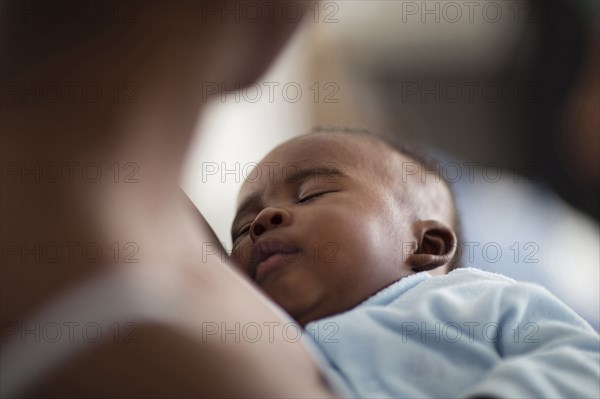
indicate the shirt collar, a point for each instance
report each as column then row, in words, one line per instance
column 394, row 290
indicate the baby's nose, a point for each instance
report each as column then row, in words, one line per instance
column 268, row 219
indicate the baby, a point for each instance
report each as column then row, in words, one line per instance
column 356, row 239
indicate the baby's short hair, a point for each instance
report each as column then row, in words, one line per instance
column 424, row 159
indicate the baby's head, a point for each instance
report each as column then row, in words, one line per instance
column 327, row 219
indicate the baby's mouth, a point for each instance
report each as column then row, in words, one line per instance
column 270, row 255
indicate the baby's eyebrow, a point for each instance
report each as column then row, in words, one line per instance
column 326, row 171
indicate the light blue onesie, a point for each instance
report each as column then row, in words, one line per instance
column 467, row 334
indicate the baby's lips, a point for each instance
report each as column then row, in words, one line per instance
column 262, row 250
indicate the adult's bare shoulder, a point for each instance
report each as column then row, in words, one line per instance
column 196, row 344
column 147, row 367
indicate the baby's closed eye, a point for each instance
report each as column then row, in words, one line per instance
column 309, row 197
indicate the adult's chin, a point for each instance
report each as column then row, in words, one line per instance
column 257, row 45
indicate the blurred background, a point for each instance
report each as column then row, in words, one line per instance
column 504, row 93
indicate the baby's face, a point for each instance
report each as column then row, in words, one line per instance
column 318, row 227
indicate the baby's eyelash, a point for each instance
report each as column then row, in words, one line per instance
column 242, row 231
column 309, row 197
column 301, row 200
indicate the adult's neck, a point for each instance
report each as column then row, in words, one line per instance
column 96, row 169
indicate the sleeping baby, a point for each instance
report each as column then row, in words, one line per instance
column 356, row 238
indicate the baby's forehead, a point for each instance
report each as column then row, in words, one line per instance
column 350, row 154
column 342, row 146
column 348, row 150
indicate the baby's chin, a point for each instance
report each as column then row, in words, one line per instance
column 294, row 292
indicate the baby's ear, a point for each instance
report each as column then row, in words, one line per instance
column 436, row 246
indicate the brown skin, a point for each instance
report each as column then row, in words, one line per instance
column 168, row 53
column 355, row 233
